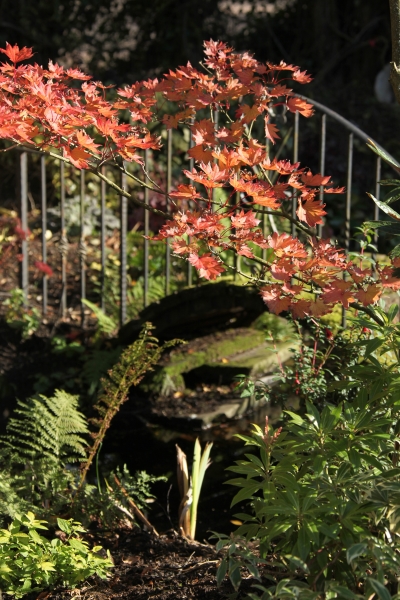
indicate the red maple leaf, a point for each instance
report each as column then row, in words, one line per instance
column 200, row 154
column 211, row 177
column 185, row 191
column 300, row 308
column 301, row 106
column 272, row 296
column 207, row 266
column 370, row 295
column 301, row 76
column 244, row 220
column 338, row 291
column 285, row 245
column 311, row 211
column 271, row 131
column 15, row 54
column 314, row 180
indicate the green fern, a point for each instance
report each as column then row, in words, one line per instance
column 43, row 438
column 47, row 428
column 135, row 361
column 105, row 324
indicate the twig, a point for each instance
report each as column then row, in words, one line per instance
column 136, row 510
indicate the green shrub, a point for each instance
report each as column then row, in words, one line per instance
column 323, row 491
column 30, row 562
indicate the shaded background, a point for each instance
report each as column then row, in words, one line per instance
column 344, row 44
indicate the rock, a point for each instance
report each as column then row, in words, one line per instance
column 198, row 311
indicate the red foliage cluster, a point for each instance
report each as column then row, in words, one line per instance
column 45, row 108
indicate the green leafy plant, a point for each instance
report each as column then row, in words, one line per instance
column 30, row 562
column 323, row 502
column 18, row 316
column 190, row 489
column 318, row 360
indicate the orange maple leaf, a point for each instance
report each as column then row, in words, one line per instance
column 78, row 157
column 15, row 54
column 370, row 295
column 200, row 154
column 185, row 191
column 301, row 106
column 314, row 180
column 244, row 220
column 271, row 131
column 211, row 177
column 300, row 308
column 285, row 245
column 338, row 291
column 311, row 211
column 275, row 302
column 249, row 113
column 207, row 266
column 302, row 76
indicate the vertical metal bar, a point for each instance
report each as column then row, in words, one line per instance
column 295, row 160
column 103, row 242
column 322, row 165
column 169, row 179
column 63, row 243
column 146, row 234
column 82, row 247
column 122, row 258
column 214, row 192
column 44, row 230
column 348, row 194
column 191, row 167
column 348, row 206
column 377, row 194
column 24, row 223
column 264, row 215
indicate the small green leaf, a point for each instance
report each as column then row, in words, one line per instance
column 379, row 589
column 297, row 562
column 355, row 551
column 373, row 345
column 221, row 572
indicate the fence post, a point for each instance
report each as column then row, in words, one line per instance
column 348, row 206
column 82, row 247
column 44, row 229
column 146, row 234
column 63, row 244
column 23, row 164
column 295, row 160
column 169, row 179
column 103, row 241
column 377, row 194
column 123, row 251
column 322, row 165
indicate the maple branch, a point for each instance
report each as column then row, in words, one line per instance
column 395, row 34
column 281, row 213
column 126, row 194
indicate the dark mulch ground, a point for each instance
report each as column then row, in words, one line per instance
column 162, row 568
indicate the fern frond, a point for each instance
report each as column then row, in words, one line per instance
column 135, row 361
column 48, row 427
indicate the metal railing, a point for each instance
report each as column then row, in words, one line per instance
column 326, row 114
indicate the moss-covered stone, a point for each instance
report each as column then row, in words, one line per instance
column 217, row 358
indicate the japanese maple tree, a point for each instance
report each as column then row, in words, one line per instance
column 62, row 113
